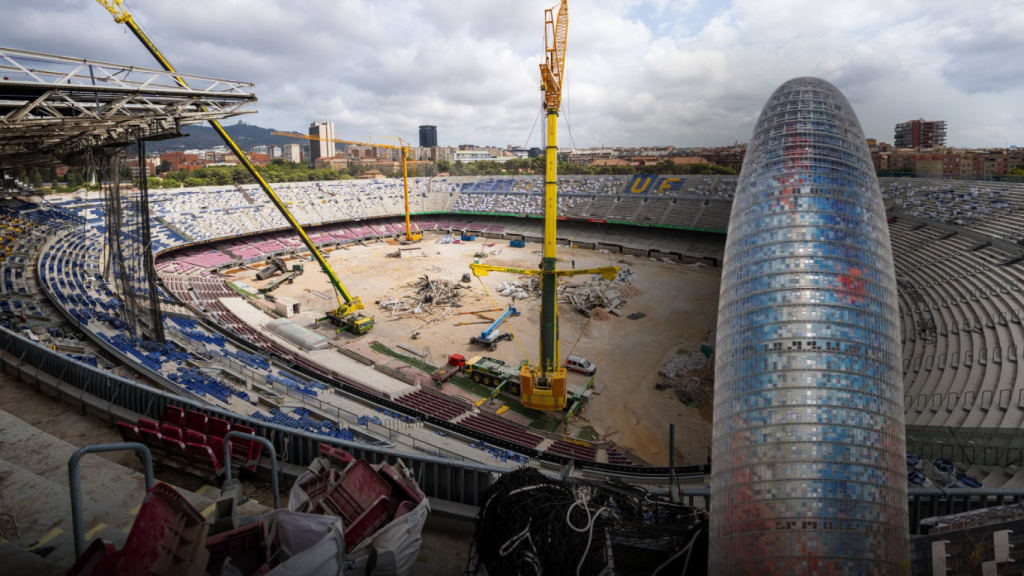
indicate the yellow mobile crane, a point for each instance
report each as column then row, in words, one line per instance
column 403, row 146
column 347, row 315
column 544, row 386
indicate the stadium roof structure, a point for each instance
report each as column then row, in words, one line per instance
column 57, row 108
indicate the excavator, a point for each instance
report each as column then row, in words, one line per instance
column 544, row 386
column 403, row 146
column 346, row 317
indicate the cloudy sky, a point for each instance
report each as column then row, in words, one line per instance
column 681, row 72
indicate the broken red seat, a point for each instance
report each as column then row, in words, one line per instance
column 175, row 450
column 204, row 458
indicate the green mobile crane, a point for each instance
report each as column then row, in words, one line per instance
column 346, row 316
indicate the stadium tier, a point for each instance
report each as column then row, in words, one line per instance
column 960, row 305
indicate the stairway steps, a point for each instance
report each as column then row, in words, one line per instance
column 34, row 486
column 43, row 509
column 17, row 560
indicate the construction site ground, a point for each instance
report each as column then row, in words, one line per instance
column 680, row 302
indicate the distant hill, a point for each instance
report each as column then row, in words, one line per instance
column 202, row 137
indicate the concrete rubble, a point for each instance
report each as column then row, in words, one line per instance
column 597, row 294
column 425, row 296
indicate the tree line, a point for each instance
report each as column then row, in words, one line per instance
column 280, row 171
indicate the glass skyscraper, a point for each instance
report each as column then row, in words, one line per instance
column 808, row 450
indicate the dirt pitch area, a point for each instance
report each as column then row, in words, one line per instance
column 680, row 301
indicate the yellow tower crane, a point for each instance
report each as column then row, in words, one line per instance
column 403, row 146
column 346, row 315
column 544, row 386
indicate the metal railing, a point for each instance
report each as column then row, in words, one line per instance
column 271, row 455
column 75, row 481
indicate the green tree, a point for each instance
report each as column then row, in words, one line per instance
column 193, row 182
column 37, row 179
column 170, row 183
column 443, row 166
column 164, row 166
column 53, row 176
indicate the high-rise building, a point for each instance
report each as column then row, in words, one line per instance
column 291, row 153
column 808, row 450
column 921, row 134
column 319, row 148
column 428, row 136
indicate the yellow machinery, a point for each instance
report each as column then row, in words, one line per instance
column 544, row 386
column 403, row 146
column 346, row 316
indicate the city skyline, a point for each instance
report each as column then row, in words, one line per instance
column 679, row 73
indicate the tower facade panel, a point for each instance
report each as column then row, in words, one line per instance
column 808, row 450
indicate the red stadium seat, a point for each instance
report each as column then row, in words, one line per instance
column 193, row 437
column 173, row 415
column 204, row 458
column 196, row 421
column 218, row 427
column 175, row 450
column 128, row 432
column 147, row 424
column 172, row 432
column 154, row 441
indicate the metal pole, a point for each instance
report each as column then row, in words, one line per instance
column 273, row 459
column 75, row 480
column 673, row 490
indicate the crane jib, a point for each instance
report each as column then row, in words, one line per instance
column 345, row 300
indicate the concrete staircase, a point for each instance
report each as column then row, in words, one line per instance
column 34, row 488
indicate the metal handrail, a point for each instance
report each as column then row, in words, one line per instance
column 273, row 459
column 75, row 480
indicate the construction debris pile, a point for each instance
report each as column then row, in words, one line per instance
column 525, row 287
column 683, row 363
column 379, row 506
column 697, row 385
column 449, row 239
column 531, row 524
column 426, row 296
column 599, row 299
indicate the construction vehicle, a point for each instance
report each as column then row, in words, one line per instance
column 493, row 372
column 455, row 363
column 346, row 315
column 544, row 386
column 403, row 146
column 491, row 336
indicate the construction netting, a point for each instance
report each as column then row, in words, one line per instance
column 530, row 524
column 297, row 335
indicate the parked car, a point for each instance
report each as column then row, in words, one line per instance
column 580, row 364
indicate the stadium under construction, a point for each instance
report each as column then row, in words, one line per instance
column 395, row 362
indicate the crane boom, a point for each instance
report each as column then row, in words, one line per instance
column 403, row 146
column 347, row 304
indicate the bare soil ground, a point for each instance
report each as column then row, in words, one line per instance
column 681, row 304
